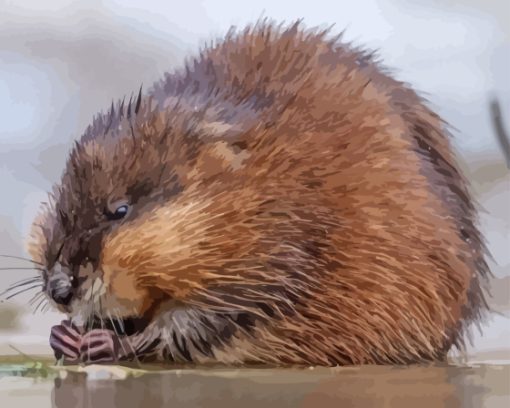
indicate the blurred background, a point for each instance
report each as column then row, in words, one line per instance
column 62, row 61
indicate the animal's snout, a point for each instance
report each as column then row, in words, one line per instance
column 61, row 289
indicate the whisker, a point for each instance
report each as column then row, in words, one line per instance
column 22, row 291
column 120, row 321
column 21, row 258
column 45, row 307
column 8, row 291
column 35, row 298
column 117, row 333
column 22, row 283
column 99, row 299
column 38, row 297
column 91, row 315
column 91, row 308
column 39, row 304
column 18, row 268
column 121, row 324
column 30, row 278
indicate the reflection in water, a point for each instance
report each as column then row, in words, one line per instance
column 347, row 387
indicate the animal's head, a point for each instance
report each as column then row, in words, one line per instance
column 131, row 205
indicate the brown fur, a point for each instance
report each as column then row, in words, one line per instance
column 287, row 191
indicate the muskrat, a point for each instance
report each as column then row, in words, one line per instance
column 280, row 200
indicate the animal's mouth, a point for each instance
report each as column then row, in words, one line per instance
column 126, row 326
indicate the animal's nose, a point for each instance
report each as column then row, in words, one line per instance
column 61, row 291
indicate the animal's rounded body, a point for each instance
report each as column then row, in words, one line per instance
column 282, row 200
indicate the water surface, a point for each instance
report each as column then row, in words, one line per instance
column 33, row 384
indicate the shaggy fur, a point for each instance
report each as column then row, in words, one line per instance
column 290, row 203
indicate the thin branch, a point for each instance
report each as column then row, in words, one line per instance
column 499, row 129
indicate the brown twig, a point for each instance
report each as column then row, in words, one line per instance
column 502, row 136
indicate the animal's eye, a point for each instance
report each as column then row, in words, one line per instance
column 119, row 213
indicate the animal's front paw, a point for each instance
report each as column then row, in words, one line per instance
column 99, row 346
column 65, row 341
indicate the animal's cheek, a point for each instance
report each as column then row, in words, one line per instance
column 120, row 266
column 124, row 296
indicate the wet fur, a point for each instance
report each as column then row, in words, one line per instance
column 291, row 204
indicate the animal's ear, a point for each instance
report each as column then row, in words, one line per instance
column 226, row 137
column 222, row 156
column 224, row 127
column 223, row 130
